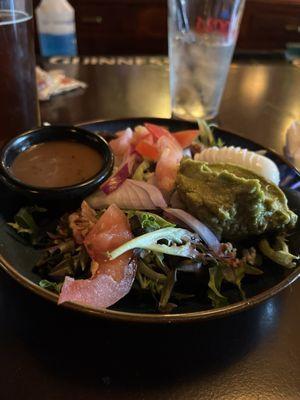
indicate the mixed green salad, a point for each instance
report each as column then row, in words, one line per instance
column 182, row 216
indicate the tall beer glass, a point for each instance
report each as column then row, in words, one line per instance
column 18, row 94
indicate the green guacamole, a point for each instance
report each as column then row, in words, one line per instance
column 232, row 201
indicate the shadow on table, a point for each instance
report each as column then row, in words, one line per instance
column 75, row 348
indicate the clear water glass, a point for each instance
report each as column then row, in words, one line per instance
column 202, row 37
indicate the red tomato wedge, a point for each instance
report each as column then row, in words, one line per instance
column 113, row 279
column 141, row 133
column 148, row 138
column 147, row 150
column 111, row 231
column 157, row 131
column 186, row 138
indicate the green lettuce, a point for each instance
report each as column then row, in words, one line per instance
column 150, row 222
column 279, row 253
column 215, row 281
column 52, row 286
column 142, row 171
column 206, row 134
column 180, row 240
column 25, row 225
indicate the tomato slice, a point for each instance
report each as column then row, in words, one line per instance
column 156, row 130
column 186, row 138
column 147, row 150
column 149, row 139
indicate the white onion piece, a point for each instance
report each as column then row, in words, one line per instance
column 202, row 230
column 187, row 152
column 247, row 159
column 130, row 195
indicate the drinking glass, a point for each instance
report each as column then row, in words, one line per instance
column 18, row 93
column 202, row 38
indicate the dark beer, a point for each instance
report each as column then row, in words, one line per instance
column 18, row 96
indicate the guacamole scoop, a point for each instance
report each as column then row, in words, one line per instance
column 234, row 202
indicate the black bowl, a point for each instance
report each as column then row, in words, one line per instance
column 18, row 259
column 67, row 194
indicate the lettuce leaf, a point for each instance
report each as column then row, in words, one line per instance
column 150, row 222
column 178, row 238
column 142, row 171
column 279, row 253
column 206, row 134
column 52, row 286
column 25, row 225
column 150, row 272
column 215, row 281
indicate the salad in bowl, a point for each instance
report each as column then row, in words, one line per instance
column 181, row 216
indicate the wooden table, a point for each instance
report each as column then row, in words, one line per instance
column 261, row 98
column 49, row 353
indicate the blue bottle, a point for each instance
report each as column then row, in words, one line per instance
column 56, row 28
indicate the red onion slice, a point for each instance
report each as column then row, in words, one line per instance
column 175, row 201
column 202, row 230
column 153, row 192
column 140, row 196
column 124, row 172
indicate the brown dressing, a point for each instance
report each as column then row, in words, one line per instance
column 57, row 164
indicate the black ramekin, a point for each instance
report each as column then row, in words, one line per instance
column 66, row 194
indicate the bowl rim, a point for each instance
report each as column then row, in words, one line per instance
column 98, row 178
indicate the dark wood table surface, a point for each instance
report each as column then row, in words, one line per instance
column 49, row 353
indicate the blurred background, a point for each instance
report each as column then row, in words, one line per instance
column 140, row 26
